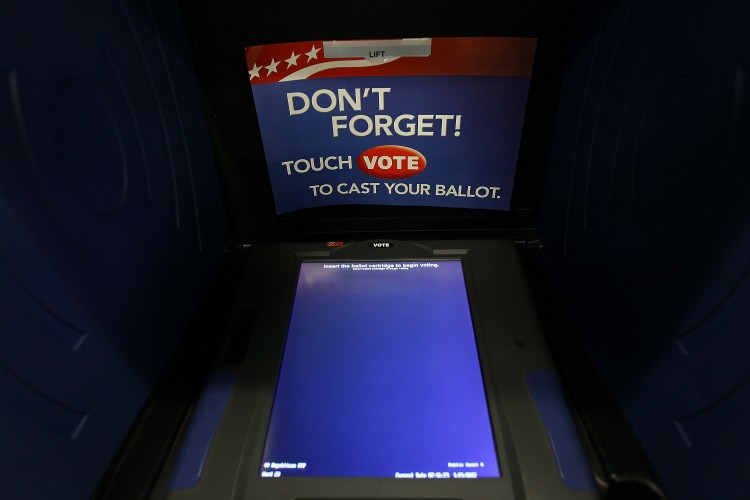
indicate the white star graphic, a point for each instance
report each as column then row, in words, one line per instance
column 255, row 72
column 313, row 54
column 272, row 67
column 292, row 61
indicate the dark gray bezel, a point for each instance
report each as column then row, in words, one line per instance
column 510, row 342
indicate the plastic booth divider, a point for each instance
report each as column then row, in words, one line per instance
column 112, row 230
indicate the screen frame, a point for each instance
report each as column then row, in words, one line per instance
column 353, row 486
column 510, row 342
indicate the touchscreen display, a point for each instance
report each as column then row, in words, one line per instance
column 380, row 377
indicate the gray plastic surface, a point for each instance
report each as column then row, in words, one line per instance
column 511, row 343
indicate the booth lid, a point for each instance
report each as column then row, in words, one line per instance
column 496, row 159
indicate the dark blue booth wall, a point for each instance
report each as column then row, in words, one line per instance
column 646, row 227
column 111, row 229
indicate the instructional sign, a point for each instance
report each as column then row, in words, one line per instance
column 429, row 121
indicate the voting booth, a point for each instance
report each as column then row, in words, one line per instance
column 374, row 251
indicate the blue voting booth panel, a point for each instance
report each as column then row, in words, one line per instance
column 111, row 229
column 646, row 226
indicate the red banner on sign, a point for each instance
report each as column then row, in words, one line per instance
column 473, row 56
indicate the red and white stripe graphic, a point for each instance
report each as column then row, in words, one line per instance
column 483, row 56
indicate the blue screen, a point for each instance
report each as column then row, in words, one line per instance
column 380, row 377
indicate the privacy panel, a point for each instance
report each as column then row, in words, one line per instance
column 646, row 227
column 111, row 229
